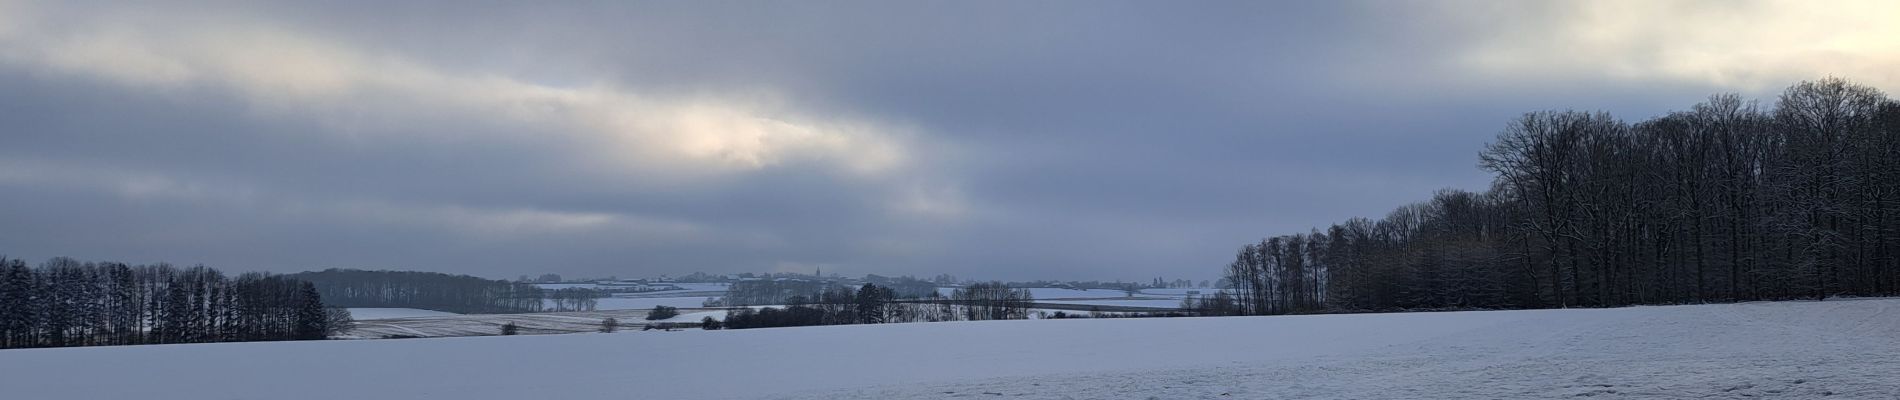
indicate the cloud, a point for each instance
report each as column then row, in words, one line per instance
column 934, row 203
column 510, row 224
column 127, row 184
column 1738, row 45
column 285, row 72
column 487, row 223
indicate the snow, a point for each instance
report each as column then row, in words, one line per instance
column 1147, row 298
column 559, row 286
column 695, row 317
column 1845, row 349
column 644, row 303
column 701, row 287
column 628, row 308
column 529, row 324
column 1139, row 302
column 683, row 287
column 387, row 313
column 1057, row 293
column 689, row 295
column 1049, row 313
column 1178, row 293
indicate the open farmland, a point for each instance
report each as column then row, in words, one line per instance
column 689, row 295
column 1108, row 300
column 388, row 313
column 529, row 324
column 1843, row 349
column 629, row 309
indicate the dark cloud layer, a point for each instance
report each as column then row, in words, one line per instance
column 1017, row 141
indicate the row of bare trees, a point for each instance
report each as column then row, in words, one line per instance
column 461, row 294
column 836, row 305
column 574, row 298
column 65, row 302
column 1727, row 201
column 992, row 301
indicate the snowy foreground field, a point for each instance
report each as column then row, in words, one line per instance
column 1834, row 349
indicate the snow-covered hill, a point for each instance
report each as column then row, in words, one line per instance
column 1841, row 349
column 388, row 313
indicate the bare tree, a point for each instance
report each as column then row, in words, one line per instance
column 1723, row 202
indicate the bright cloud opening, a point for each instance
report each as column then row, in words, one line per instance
column 1740, row 45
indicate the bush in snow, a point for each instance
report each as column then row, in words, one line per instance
column 662, row 312
column 609, row 325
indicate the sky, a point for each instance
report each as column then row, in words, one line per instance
column 1061, row 140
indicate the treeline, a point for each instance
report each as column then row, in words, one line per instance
column 574, row 299
column 903, row 286
column 772, row 291
column 1122, row 315
column 838, row 305
column 1724, row 202
column 778, row 291
column 65, row 302
column 1177, row 284
column 425, row 290
column 872, row 304
column 992, row 301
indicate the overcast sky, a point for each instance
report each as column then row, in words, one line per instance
column 997, row 140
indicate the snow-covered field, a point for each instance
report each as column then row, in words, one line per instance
column 1057, row 293
column 643, row 303
column 683, row 287
column 387, row 313
column 690, row 295
column 1159, row 299
column 628, row 308
column 1178, row 293
column 694, row 295
column 529, row 324
column 1836, row 349
column 1137, row 302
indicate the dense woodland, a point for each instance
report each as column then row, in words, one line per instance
column 460, row 294
column 1727, row 201
column 65, row 302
